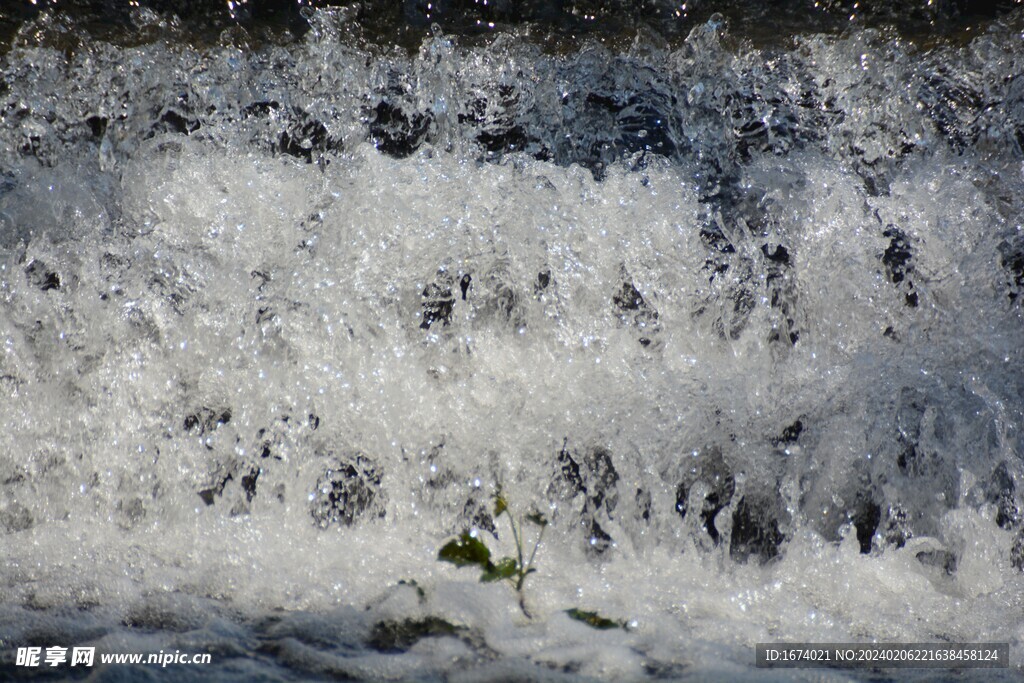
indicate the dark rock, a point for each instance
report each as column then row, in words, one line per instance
column 631, row 309
column 308, row 140
column 568, row 481
column 897, row 255
column 1000, row 492
column 349, row 489
column 898, row 261
column 938, row 559
column 952, row 103
column 790, row 434
column 16, row 517
column 97, row 125
column 476, row 514
column 395, row 132
column 438, row 301
column 210, row 493
column 896, row 529
column 42, row 277
column 1011, row 259
column 206, row 420
column 1017, row 551
column 601, row 479
column 493, row 120
column 755, row 531
column 543, row 280
column 593, row 477
column 780, row 256
column 866, row 518
column 260, row 109
column 393, row 637
column 643, row 504
column 249, row 483
column 714, row 473
column 598, row 540
column 173, row 122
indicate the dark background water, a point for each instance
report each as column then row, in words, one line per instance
column 404, row 22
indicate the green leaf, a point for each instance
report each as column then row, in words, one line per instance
column 500, row 504
column 594, row 620
column 464, row 551
column 505, row 569
column 537, row 518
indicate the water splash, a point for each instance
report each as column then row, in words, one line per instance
column 745, row 323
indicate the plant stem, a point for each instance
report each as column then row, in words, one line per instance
column 522, row 605
column 536, row 545
column 519, row 541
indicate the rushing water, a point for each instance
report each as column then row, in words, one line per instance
column 742, row 314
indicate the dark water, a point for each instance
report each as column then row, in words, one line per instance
column 407, row 22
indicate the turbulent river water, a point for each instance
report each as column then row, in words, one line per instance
column 741, row 314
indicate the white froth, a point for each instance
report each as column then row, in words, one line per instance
column 234, row 279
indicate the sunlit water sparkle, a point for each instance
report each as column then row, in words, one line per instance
column 746, row 324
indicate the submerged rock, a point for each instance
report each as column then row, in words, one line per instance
column 1001, row 491
column 750, row 525
column 633, row 310
column 1017, row 551
column 896, row 529
column 790, row 434
column 16, row 517
column 866, row 518
column 898, row 262
column 715, row 475
column 399, row 636
column 438, row 301
column 395, row 131
column 592, row 478
column 476, row 514
column 42, row 277
column 755, row 529
column 205, row 420
column 1011, row 258
column 395, row 636
column 347, row 491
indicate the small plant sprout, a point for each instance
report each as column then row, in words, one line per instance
column 469, row 550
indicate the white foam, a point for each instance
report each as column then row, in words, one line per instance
column 238, row 280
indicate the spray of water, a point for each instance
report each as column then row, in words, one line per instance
column 744, row 324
